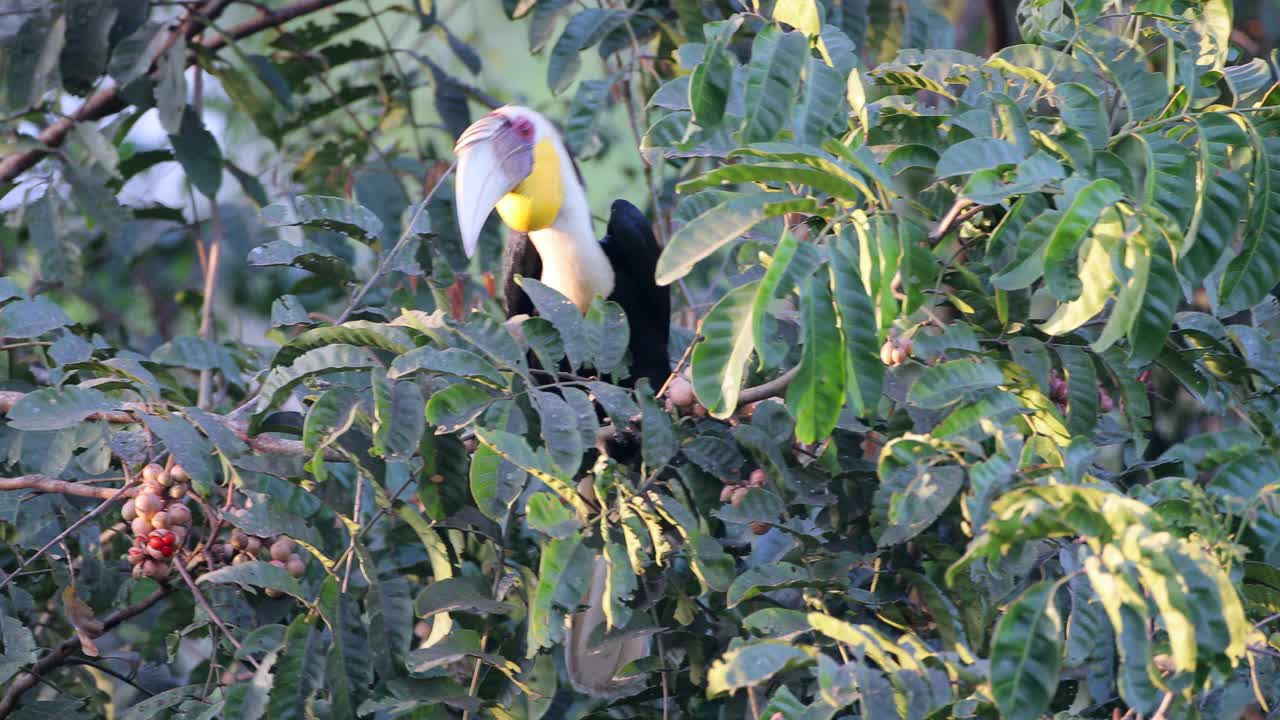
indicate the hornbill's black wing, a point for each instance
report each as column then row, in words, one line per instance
column 633, row 252
column 520, row 257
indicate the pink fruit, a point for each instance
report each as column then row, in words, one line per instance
column 148, row 502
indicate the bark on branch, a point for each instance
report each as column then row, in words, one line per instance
column 42, row 483
column 108, row 101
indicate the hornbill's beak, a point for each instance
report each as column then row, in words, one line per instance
column 494, row 155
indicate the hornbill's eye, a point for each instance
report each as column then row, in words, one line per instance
column 523, row 127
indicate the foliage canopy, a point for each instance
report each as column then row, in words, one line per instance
column 984, row 349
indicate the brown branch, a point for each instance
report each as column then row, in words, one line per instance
column 27, row 680
column 108, row 101
column 774, row 387
column 41, row 483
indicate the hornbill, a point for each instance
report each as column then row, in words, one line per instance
column 514, row 159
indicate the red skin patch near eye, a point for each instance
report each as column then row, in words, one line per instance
column 524, row 127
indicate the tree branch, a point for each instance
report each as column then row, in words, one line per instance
column 41, row 483
column 27, row 680
column 774, row 387
column 108, row 101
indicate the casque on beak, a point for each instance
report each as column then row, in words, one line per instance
column 494, row 156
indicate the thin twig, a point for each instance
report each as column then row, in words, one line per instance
column 1164, row 707
column 355, row 534
column 679, row 366
column 395, row 249
column 206, row 305
column 208, row 610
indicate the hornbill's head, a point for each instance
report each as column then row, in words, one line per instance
column 512, row 158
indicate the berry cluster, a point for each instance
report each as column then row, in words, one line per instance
column 242, row 547
column 896, row 349
column 159, row 519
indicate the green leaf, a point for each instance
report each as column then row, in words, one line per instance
column 559, row 425
column 326, row 213
column 545, row 513
column 803, row 15
column 1082, row 110
column 1255, row 271
column 782, row 176
column 287, row 310
column 348, row 663
column 777, row 58
column 791, row 263
column 1127, row 610
column 515, row 450
column 299, row 672
column 305, row 256
column 712, row 230
column 1085, row 210
column 658, row 438
column 585, row 29
column 156, row 704
column 171, row 87
column 1026, row 652
column 57, row 408
column 1082, row 389
column 31, row 318
column 719, row 359
column 926, row 495
column 564, row 573
column 816, row 394
column 359, row 333
column 709, row 86
column 321, row 361
column 1151, row 326
column 751, row 665
column 1028, row 262
column 970, row 156
column 821, row 103
column 1095, row 280
column 462, row 594
column 19, row 647
column 449, row 361
column 564, row 315
column 399, row 419
column 864, row 372
column 943, row 384
column 457, row 405
column 197, row 151
column 580, row 124
column 495, row 484
column 764, row 578
column 390, row 612
column 131, row 56
column 607, row 335
column 329, row 418
column 255, row 574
